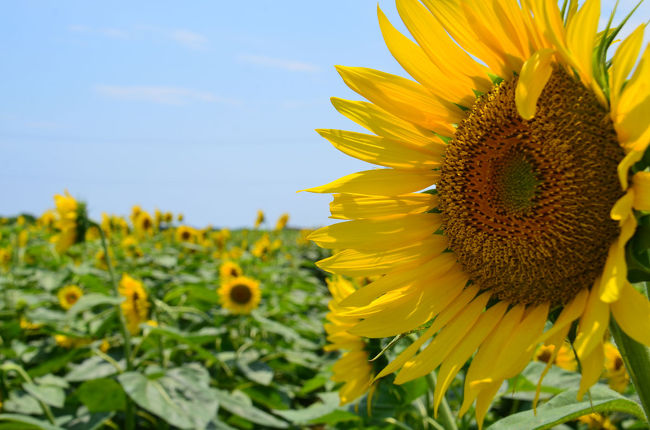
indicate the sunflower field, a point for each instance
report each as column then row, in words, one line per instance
column 145, row 322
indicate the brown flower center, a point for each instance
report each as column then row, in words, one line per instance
column 526, row 203
column 241, row 294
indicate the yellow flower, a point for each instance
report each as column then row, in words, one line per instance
column 180, row 217
column 105, row 346
column 282, row 222
column 186, row 233
column 302, row 237
column 27, row 325
column 617, row 376
column 69, row 342
column 353, row 368
column 529, row 140
column 168, row 217
column 92, row 233
column 596, row 421
column 262, row 247
column 23, row 237
column 240, row 295
column 565, row 358
column 135, row 307
column 100, row 259
column 259, row 219
column 143, row 224
column 67, row 213
column 69, row 295
column 229, row 270
column 235, row 253
column 47, row 219
column 130, row 246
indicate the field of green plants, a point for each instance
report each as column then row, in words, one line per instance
column 144, row 322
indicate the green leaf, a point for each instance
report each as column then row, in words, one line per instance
column 329, row 403
column 256, row 371
column 564, row 407
column 48, row 394
column 239, row 404
column 87, row 421
column 181, row 396
column 91, row 368
column 102, row 395
column 186, row 339
column 29, row 421
column 289, row 334
column 335, row 417
column 270, row 397
column 167, row 261
column 22, row 403
column 91, row 300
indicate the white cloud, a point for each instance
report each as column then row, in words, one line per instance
column 189, row 39
column 277, row 63
column 160, row 95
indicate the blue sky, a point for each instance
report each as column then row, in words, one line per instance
column 206, row 108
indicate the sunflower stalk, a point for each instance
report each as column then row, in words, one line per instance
column 445, row 417
column 130, row 408
column 637, row 361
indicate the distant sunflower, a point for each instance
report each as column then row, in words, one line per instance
column 135, row 306
column 282, row 221
column 353, row 368
column 71, row 222
column 69, row 295
column 564, row 358
column 617, row 377
column 186, row 234
column 240, row 295
column 533, row 152
column 229, row 270
column 259, row 219
column 143, row 223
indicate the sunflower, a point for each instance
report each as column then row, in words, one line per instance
column 143, row 223
column 259, row 219
column 282, row 222
column 353, row 368
column 617, row 376
column 186, row 233
column 535, row 156
column 564, row 358
column 240, row 295
column 136, row 307
column 70, row 223
column 69, row 295
column 229, row 270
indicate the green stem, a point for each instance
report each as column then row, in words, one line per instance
column 445, row 416
column 637, row 361
column 130, row 407
column 46, row 409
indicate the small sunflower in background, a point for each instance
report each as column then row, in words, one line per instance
column 259, row 219
column 136, row 306
column 186, row 234
column 528, row 142
column 353, row 368
column 69, row 295
column 71, row 222
column 47, row 219
column 596, row 421
column 131, row 247
column 282, row 222
column 229, row 270
column 564, row 358
column 262, row 247
column 143, row 224
column 240, row 295
column 617, row 377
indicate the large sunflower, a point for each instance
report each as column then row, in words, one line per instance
column 533, row 153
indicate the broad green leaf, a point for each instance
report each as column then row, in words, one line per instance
column 329, row 403
column 28, row 421
column 49, row 394
column 256, row 371
column 565, row 407
column 22, row 403
column 181, row 396
column 91, row 300
column 288, row 333
column 182, row 337
column 335, row 417
column 239, row 404
column 87, row 421
column 270, row 397
column 102, row 395
column 91, row 368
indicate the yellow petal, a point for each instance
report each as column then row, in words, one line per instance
column 436, row 267
column 382, row 123
column 417, row 64
column 402, row 97
column 624, row 167
column 380, row 182
column 444, row 342
column 571, row 312
column 368, row 263
column 440, row 48
column 381, row 150
column 641, row 188
column 632, row 313
column 532, row 80
column 484, row 401
column 592, row 325
column 351, row 206
column 441, row 320
column 463, row 351
column 623, row 61
column 423, row 301
column 484, row 363
column 591, row 367
column 581, row 36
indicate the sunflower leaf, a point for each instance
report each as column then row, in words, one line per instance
column 565, row 407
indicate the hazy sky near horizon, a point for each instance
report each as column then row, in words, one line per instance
column 205, row 108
